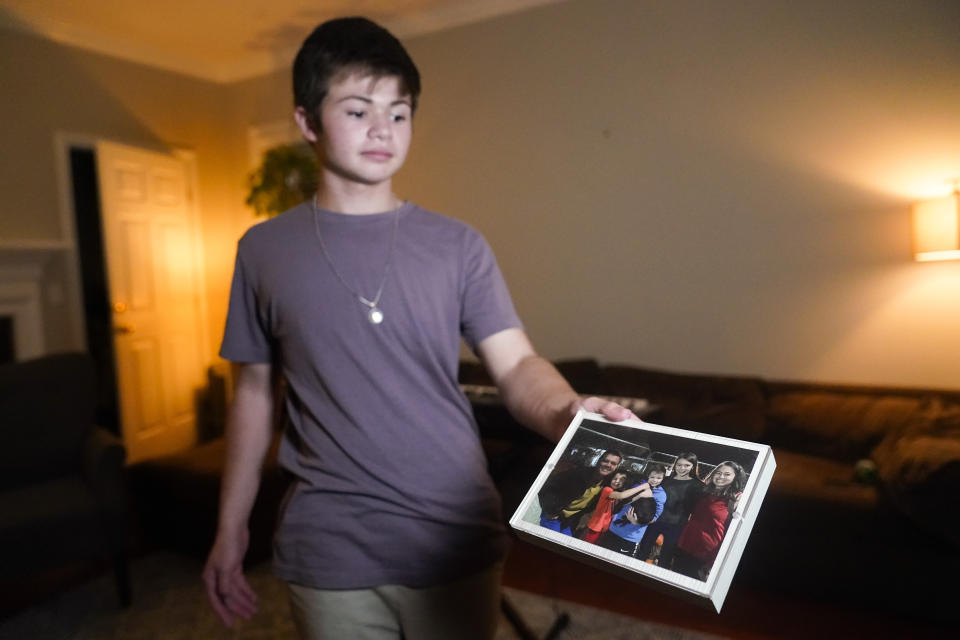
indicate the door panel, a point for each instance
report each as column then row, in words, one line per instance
column 133, row 274
column 138, row 366
column 152, row 267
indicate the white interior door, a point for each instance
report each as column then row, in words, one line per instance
column 153, row 269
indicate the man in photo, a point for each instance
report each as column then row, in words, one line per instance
column 566, row 496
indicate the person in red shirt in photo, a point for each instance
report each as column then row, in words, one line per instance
column 603, row 513
column 698, row 544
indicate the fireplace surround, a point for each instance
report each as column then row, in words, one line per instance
column 21, row 299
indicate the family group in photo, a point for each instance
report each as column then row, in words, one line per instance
column 670, row 517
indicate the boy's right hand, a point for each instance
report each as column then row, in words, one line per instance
column 227, row 590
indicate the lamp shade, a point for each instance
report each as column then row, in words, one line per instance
column 936, row 229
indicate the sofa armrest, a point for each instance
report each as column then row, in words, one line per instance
column 920, row 467
column 102, row 466
column 919, row 473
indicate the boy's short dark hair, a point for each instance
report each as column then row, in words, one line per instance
column 645, row 510
column 348, row 45
column 656, row 467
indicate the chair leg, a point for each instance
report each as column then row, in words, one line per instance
column 121, row 572
column 561, row 623
column 516, row 620
column 520, row 626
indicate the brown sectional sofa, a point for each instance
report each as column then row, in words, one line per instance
column 862, row 507
column 888, row 540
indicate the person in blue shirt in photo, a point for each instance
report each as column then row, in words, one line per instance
column 631, row 520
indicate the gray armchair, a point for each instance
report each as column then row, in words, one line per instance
column 61, row 477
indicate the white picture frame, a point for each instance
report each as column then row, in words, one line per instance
column 643, row 443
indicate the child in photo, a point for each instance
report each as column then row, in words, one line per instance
column 603, row 513
column 630, row 522
column 683, row 488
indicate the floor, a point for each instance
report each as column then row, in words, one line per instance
column 169, row 604
column 745, row 615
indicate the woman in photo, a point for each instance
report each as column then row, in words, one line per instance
column 683, row 488
column 698, row 544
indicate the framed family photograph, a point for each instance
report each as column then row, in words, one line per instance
column 656, row 504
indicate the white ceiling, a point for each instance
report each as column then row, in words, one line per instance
column 227, row 40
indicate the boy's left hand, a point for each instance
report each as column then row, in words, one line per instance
column 608, row 409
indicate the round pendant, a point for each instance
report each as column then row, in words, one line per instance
column 375, row 315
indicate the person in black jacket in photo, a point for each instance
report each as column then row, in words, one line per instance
column 683, row 487
column 569, row 494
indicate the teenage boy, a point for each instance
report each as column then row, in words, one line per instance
column 392, row 525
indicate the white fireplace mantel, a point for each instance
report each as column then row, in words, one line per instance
column 22, row 266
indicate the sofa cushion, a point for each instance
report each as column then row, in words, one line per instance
column 828, row 487
column 835, row 424
column 819, row 531
column 46, row 409
column 727, row 406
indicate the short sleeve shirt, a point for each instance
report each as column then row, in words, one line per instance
column 391, row 485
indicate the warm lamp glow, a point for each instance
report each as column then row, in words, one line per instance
column 936, row 229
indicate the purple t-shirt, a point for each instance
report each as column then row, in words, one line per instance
column 391, row 481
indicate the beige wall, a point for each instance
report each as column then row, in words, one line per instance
column 49, row 88
column 703, row 186
column 707, row 186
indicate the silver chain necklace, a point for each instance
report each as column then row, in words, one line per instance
column 374, row 313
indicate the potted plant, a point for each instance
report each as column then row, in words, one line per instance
column 286, row 177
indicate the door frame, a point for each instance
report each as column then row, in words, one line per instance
column 65, row 141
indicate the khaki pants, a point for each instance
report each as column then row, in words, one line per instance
column 467, row 609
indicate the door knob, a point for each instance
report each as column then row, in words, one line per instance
column 123, row 328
